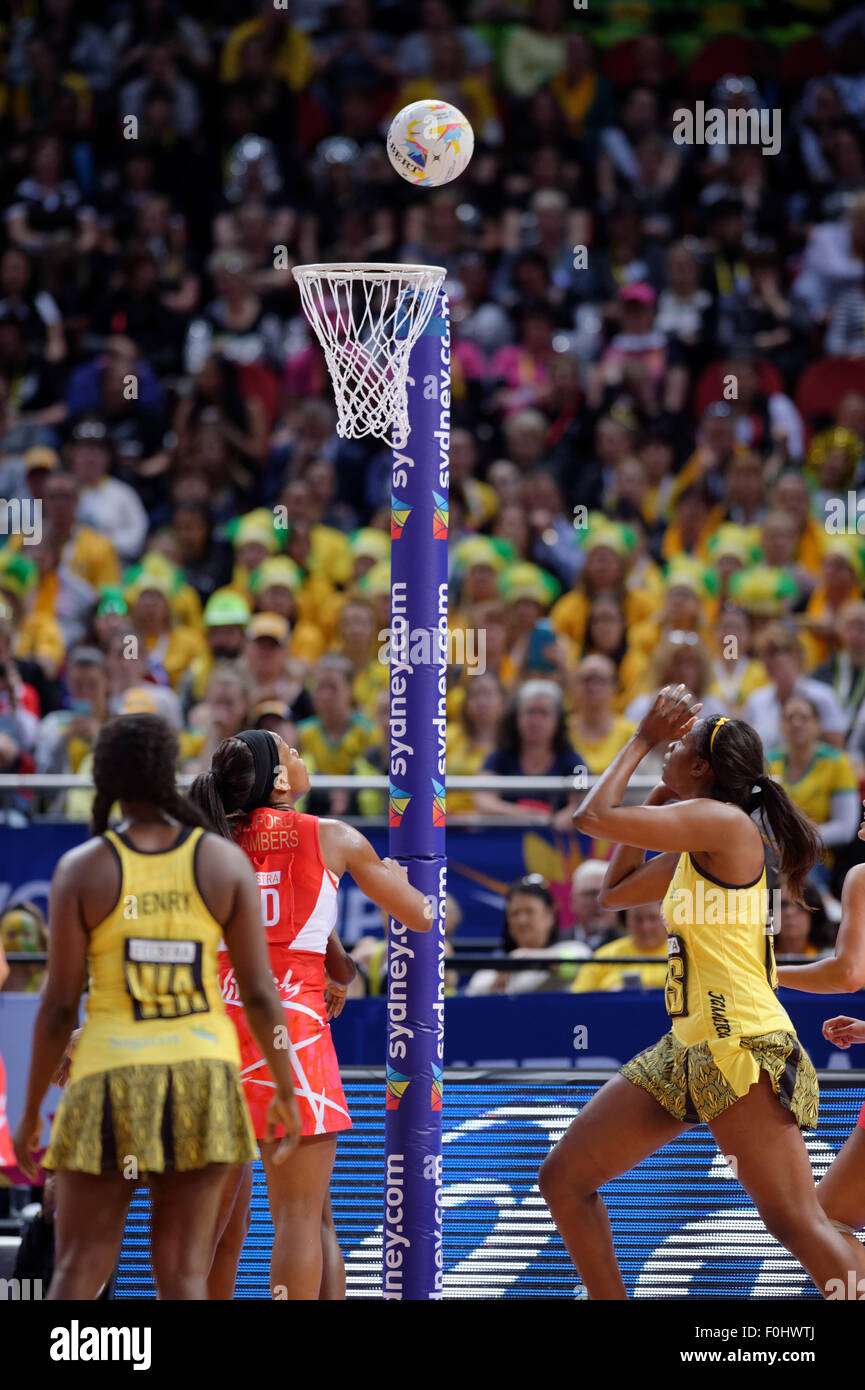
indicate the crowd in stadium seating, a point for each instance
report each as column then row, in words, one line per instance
column 658, row 383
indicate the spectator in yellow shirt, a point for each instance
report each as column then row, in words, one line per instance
column 447, row 80
column 607, row 635
column 817, row 777
column 842, row 573
column 474, row 736
column 37, row 634
column 594, row 727
column 792, row 495
column 226, row 616
column 358, row 639
column 290, row 49
column 276, row 587
column 225, row 711
column 319, row 549
column 689, row 587
column 338, row 733
column 607, row 548
column 255, row 538
column 645, row 935
column 86, row 552
column 74, row 561
column 170, row 647
column 779, row 543
column 736, row 672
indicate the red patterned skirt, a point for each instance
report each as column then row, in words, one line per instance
column 299, row 977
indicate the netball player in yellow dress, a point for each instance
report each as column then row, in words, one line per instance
column 732, row 1059
column 154, row 1090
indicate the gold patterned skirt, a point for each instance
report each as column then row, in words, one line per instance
column 696, row 1084
column 157, row 1118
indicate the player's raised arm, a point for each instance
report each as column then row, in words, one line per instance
column 383, row 880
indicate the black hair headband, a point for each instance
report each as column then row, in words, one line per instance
column 265, row 757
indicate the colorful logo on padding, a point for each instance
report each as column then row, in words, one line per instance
column 397, row 1085
column 398, row 802
column 399, row 515
column 440, row 519
column 438, row 810
column 435, row 1099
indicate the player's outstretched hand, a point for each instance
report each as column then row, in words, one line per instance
column 397, row 868
column 283, row 1111
column 844, row 1030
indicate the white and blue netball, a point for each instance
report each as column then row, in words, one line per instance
column 430, row 143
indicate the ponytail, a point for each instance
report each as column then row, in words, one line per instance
column 793, row 837
column 221, row 792
column 734, row 752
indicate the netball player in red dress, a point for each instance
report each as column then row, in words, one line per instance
column 842, row 1190
column 249, row 793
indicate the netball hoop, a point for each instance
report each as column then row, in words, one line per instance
column 368, row 318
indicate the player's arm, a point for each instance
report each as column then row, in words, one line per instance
column 644, row 883
column 337, row 962
column 630, row 880
column 844, row 972
column 383, row 880
column 696, row 824
column 340, row 970
column 61, row 996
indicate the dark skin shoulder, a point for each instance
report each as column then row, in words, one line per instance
column 90, row 874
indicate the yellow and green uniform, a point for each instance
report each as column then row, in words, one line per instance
column 368, row 684
column 155, row 1074
column 292, row 61
column 466, row 758
column 598, row 753
column 728, row 1024
column 828, row 773
column 570, row 613
column 39, row 637
column 86, row 553
column 337, row 757
column 597, row 978
column 176, row 651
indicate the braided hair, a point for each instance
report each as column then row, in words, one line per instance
column 222, row 791
column 135, row 759
column 736, row 760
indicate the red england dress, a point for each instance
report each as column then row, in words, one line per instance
column 298, row 908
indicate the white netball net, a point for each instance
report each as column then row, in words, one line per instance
column 368, row 318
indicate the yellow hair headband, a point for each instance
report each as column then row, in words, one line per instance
column 722, row 720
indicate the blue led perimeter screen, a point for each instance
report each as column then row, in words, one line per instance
column 682, row 1225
